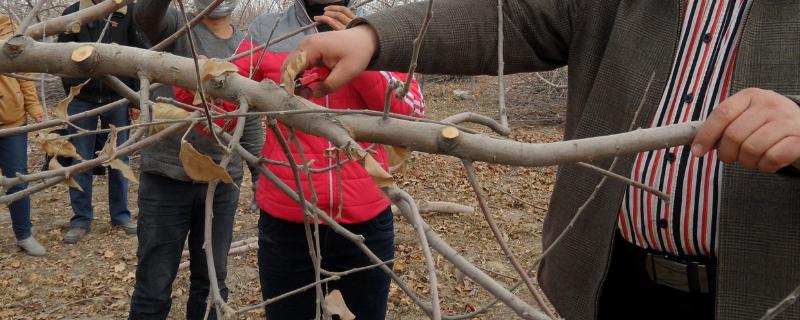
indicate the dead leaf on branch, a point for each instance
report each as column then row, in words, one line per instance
column 216, row 68
column 293, row 65
column 60, row 110
column 125, row 169
column 54, row 165
column 110, row 148
column 375, row 170
column 334, row 306
column 201, row 167
column 166, row 111
column 397, row 158
column 197, row 100
column 56, row 145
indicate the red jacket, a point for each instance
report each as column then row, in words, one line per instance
column 359, row 197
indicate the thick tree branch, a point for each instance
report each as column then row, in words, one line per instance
column 72, row 23
column 341, row 130
column 476, row 187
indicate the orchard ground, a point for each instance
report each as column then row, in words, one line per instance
column 94, row 278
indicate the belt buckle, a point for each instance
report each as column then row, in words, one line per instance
column 686, row 277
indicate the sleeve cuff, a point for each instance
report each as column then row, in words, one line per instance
column 794, row 168
column 396, row 40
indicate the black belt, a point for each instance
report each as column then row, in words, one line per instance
column 692, row 274
column 686, row 276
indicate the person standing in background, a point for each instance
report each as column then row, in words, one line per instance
column 171, row 205
column 17, row 101
column 119, row 30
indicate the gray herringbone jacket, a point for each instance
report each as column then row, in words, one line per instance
column 612, row 47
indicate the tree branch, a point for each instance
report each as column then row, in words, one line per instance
column 72, row 23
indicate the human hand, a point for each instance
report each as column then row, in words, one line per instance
column 337, row 17
column 346, row 53
column 134, row 113
column 758, row 128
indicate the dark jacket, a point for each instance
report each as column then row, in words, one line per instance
column 612, row 47
column 121, row 31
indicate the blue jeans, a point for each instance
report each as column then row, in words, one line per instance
column 81, row 201
column 13, row 160
column 284, row 265
column 169, row 210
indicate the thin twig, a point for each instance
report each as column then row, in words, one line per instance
column 658, row 193
column 407, row 205
column 174, row 37
column 313, row 251
column 550, row 83
column 518, row 199
column 332, row 277
column 782, row 305
column 215, row 297
column 600, row 184
column 501, row 86
column 29, row 18
column 401, row 93
column 200, row 88
column 476, row 187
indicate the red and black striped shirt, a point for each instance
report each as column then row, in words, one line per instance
column 699, row 80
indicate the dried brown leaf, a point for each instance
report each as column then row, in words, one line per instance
column 216, row 68
column 294, row 64
column 197, row 100
column 60, row 109
column 334, row 305
column 201, row 167
column 110, row 148
column 54, row 165
column 125, row 169
column 166, row 111
column 375, row 170
column 397, row 158
column 54, row 144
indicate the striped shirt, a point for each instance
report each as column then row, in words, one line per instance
column 699, row 80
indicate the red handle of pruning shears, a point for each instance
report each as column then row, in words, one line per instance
column 312, row 76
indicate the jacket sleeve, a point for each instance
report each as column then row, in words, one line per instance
column 155, row 19
column 31, row 100
column 796, row 99
column 795, row 167
column 462, row 37
column 372, row 86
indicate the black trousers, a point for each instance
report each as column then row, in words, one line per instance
column 628, row 292
column 285, row 265
column 169, row 212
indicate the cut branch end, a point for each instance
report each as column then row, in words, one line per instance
column 74, row 27
column 82, row 54
column 450, row 133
